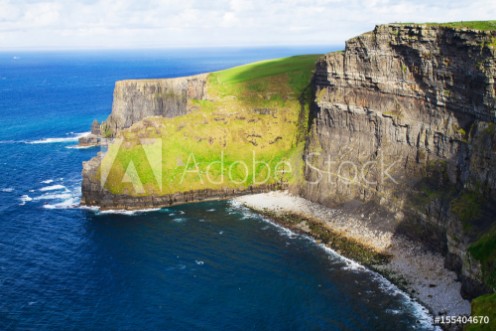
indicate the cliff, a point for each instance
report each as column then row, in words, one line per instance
column 135, row 100
column 401, row 120
column 404, row 117
column 210, row 136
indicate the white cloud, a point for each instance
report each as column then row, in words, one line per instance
column 169, row 23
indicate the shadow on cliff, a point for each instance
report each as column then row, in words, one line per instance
column 266, row 84
column 438, row 210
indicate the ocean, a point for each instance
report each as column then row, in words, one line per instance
column 207, row 266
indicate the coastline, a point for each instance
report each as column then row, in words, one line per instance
column 421, row 274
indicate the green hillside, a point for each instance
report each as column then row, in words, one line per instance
column 248, row 131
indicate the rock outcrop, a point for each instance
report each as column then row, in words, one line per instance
column 404, row 117
column 135, row 100
column 94, row 138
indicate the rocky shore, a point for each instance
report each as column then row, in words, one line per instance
column 419, row 272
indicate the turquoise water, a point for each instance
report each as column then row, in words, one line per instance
column 209, row 266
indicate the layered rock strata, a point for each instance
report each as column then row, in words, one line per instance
column 404, row 117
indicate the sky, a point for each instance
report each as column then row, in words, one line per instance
column 135, row 24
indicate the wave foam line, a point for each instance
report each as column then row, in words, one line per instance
column 53, row 188
column 66, row 204
column 81, row 147
column 124, row 212
column 58, row 140
column 424, row 316
column 62, row 196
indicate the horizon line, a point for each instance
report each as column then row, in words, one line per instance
column 164, row 48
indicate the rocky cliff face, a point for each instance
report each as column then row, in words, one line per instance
column 135, row 100
column 404, row 117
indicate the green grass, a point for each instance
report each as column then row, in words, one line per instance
column 254, row 115
column 475, row 25
column 484, row 306
column 484, row 250
column 296, row 67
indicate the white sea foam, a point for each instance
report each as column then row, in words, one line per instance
column 60, row 196
column 199, row 262
column 127, row 212
column 74, row 137
column 349, row 264
column 53, row 188
column 7, row 190
column 179, row 219
column 94, row 209
column 425, row 318
column 69, row 203
column 246, row 213
column 211, row 210
column 281, row 229
column 25, row 198
column 81, row 147
column 423, row 315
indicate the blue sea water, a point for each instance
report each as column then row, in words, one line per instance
column 207, row 266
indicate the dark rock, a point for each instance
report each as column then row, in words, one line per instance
column 89, row 140
column 95, row 128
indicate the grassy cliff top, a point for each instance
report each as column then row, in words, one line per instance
column 248, row 131
column 474, row 25
column 484, row 306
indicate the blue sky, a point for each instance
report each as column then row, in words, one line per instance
column 79, row 24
